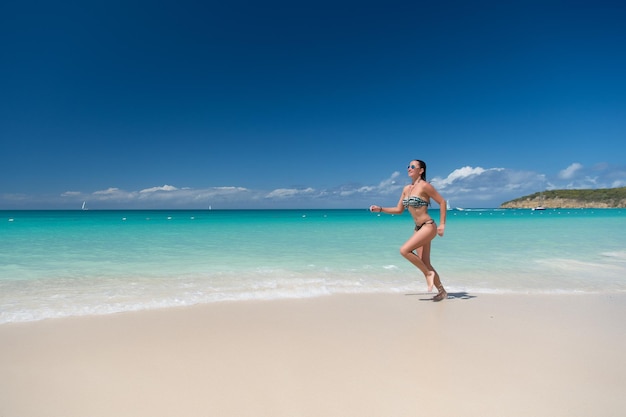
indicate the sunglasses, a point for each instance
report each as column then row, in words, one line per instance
column 412, row 167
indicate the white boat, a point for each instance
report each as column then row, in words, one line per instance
column 448, row 207
column 540, row 206
column 84, row 207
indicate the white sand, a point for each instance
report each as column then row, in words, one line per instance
column 362, row 355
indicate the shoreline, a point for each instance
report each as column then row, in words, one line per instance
column 85, row 311
column 337, row 355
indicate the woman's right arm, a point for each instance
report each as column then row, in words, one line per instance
column 398, row 209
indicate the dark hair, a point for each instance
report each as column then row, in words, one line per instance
column 422, row 165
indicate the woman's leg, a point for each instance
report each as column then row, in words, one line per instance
column 424, row 253
column 420, row 238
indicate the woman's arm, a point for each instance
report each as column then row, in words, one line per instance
column 443, row 209
column 398, row 209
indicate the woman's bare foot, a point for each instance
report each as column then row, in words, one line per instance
column 441, row 295
column 430, row 280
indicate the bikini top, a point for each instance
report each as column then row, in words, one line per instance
column 414, row 201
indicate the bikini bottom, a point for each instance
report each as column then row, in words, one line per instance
column 418, row 227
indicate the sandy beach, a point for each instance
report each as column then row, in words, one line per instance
column 357, row 355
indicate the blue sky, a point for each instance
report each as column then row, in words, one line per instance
column 306, row 104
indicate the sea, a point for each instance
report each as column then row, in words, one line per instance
column 57, row 264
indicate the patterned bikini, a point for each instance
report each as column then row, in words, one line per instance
column 415, row 202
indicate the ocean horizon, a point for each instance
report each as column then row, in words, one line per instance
column 61, row 263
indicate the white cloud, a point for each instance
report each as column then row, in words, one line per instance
column 163, row 188
column 15, row 197
column 228, row 189
column 208, row 194
column 471, row 186
column 165, row 196
column 459, row 175
column 485, row 187
column 108, row 191
column 390, row 184
column 112, row 194
column 289, row 192
column 468, row 176
column 466, row 187
column 386, row 186
column 570, row 171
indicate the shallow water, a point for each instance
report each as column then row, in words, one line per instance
column 63, row 263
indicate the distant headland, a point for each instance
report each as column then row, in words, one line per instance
column 596, row 198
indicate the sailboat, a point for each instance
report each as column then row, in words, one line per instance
column 84, row 207
column 456, row 208
column 540, row 206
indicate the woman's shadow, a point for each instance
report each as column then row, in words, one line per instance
column 461, row 295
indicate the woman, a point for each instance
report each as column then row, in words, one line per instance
column 416, row 198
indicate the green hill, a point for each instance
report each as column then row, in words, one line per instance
column 595, row 198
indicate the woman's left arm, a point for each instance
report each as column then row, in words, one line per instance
column 443, row 210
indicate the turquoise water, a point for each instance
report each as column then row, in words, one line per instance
column 65, row 263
